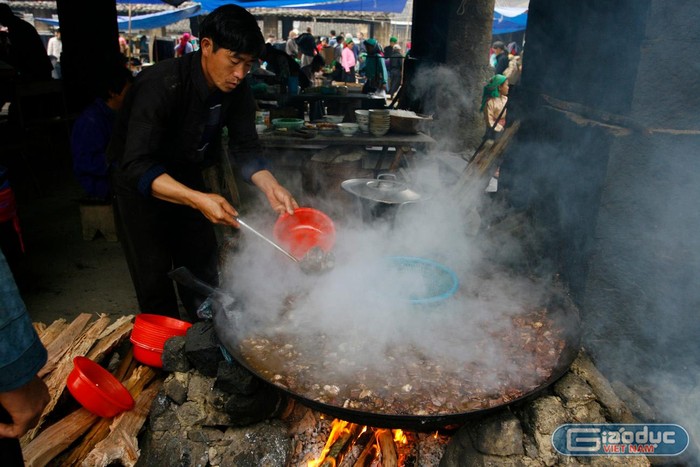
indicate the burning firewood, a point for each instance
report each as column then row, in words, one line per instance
column 387, row 448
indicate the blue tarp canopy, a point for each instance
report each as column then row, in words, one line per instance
column 507, row 20
column 387, row 6
column 149, row 21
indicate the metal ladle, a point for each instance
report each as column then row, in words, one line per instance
column 263, row 237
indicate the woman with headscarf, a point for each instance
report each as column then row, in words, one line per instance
column 493, row 104
column 184, row 45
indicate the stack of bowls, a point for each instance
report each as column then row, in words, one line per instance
column 379, row 121
column 149, row 335
column 362, row 119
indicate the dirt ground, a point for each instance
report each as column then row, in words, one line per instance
column 61, row 275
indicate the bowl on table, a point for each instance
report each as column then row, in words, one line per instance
column 362, row 119
column 348, row 129
column 334, row 118
column 288, row 123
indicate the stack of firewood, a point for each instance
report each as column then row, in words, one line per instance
column 69, row 435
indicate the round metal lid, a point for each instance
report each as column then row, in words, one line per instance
column 381, row 190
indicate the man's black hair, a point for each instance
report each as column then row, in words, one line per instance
column 234, row 28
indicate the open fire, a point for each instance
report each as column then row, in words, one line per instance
column 353, row 445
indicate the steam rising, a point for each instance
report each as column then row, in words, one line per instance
column 358, row 314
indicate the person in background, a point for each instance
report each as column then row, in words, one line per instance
column 501, row 57
column 23, row 395
column 91, row 133
column 53, row 49
column 271, row 39
column 375, row 69
column 395, row 69
column 184, row 46
column 306, row 45
column 168, row 131
column 308, row 72
column 347, row 60
column 292, row 48
column 123, row 46
column 307, row 77
column 27, row 53
column 389, row 49
column 134, row 65
column 493, row 103
column 332, row 41
column 144, row 54
column 322, row 44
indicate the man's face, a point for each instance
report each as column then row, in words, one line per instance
column 224, row 69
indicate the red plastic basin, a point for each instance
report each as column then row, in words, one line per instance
column 97, row 389
column 306, row 229
column 148, row 355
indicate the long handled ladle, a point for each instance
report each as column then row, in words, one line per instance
column 252, row 230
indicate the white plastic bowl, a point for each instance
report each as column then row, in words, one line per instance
column 334, row 118
column 348, row 129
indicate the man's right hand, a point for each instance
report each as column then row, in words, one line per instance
column 25, row 405
column 214, row 207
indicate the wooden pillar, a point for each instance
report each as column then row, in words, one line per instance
column 458, row 35
column 90, row 47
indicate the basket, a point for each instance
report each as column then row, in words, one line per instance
column 435, row 281
column 406, row 123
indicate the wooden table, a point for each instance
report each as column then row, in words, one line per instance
column 274, row 141
column 346, row 103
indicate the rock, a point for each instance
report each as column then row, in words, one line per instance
column 162, row 416
column 545, row 450
column 234, row 379
column 205, row 435
column 172, row 449
column 202, row 348
column 591, row 412
column 174, row 358
column 573, row 390
column 460, row 451
column 175, row 387
column 264, row 444
column 627, row 461
column 546, row 414
column 499, row 434
column 191, row 413
column 265, row 403
column 200, row 387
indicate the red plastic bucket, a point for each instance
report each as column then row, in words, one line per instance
column 97, row 389
column 150, row 333
column 304, row 230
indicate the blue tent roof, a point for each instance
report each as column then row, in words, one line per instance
column 387, row 6
column 505, row 20
column 149, row 21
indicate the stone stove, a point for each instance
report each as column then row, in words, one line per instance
column 212, row 412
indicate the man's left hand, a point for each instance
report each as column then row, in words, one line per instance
column 280, row 199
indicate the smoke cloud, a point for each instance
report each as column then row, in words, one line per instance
column 357, row 319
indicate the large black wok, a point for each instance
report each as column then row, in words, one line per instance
column 228, row 315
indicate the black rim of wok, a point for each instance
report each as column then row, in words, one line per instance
column 563, row 313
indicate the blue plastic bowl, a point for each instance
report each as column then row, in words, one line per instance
column 440, row 281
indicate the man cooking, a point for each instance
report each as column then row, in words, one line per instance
column 169, row 129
